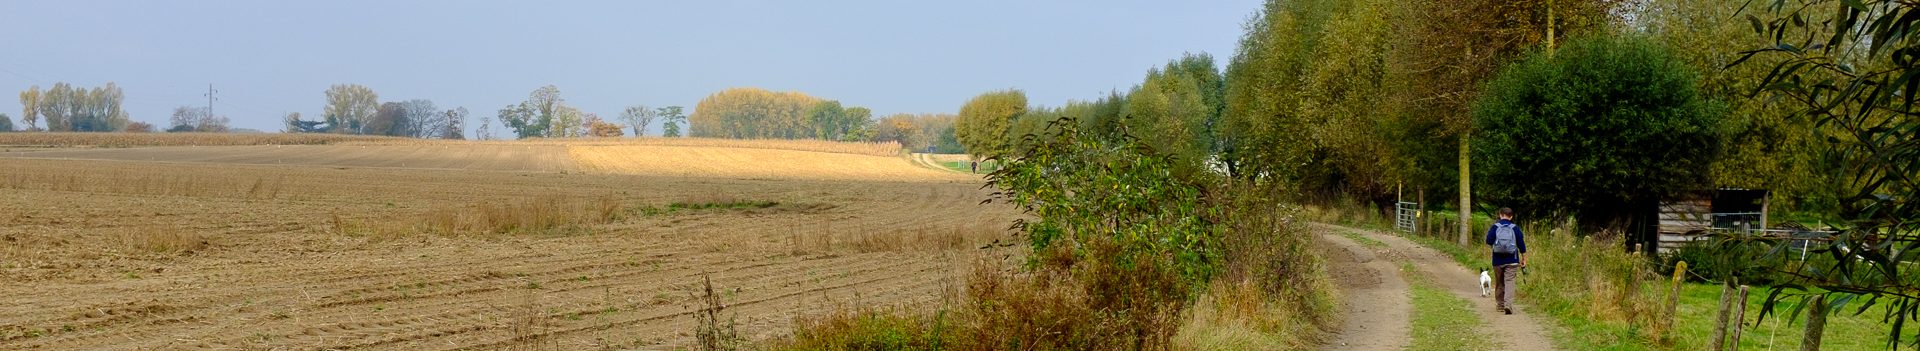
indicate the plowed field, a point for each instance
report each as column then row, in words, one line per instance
column 388, row 246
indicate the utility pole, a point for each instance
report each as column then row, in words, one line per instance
column 210, row 92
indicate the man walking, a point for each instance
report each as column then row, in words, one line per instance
column 1509, row 255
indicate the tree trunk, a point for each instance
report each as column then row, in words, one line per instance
column 1466, row 194
column 1816, row 324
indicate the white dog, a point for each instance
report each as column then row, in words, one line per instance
column 1486, row 283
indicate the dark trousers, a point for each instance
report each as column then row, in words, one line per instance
column 1503, row 277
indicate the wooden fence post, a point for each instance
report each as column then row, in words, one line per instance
column 1816, row 323
column 1673, row 296
column 1739, row 318
column 1718, row 342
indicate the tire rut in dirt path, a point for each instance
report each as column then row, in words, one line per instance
column 1375, row 301
column 1519, row 331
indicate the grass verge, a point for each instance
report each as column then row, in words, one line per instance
column 1599, row 297
column 1442, row 321
column 1362, row 239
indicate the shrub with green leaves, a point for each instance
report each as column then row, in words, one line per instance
column 1597, row 129
column 1078, row 187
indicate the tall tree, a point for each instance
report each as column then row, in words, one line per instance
column 485, row 130
column 825, row 120
column 455, row 124
column 520, row 119
column 568, row 122
column 639, row 116
column 6, row 123
column 543, row 114
column 858, row 124
column 423, row 119
column 30, row 107
column 672, row 118
column 985, row 119
column 109, row 111
column 56, row 106
column 1175, row 108
column 1459, row 45
column 349, row 108
column 1602, row 129
column 391, row 120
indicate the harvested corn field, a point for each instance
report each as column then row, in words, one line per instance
column 463, row 245
column 749, row 163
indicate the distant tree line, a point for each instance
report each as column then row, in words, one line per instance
column 746, row 113
column 356, row 109
column 66, row 108
column 1177, row 109
column 920, row 133
column 754, row 113
column 195, row 119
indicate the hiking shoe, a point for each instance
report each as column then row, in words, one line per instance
column 1509, row 311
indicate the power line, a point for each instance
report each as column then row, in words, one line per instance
column 21, row 75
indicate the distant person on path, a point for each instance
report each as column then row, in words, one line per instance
column 976, row 167
column 1509, row 255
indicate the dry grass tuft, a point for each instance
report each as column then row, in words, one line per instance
column 162, row 240
column 1595, row 279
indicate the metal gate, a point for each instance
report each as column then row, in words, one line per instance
column 1406, row 215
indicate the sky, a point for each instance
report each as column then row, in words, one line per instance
column 267, row 58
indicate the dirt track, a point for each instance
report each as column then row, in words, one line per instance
column 1374, row 323
column 273, row 270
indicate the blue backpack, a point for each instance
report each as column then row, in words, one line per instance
column 1505, row 239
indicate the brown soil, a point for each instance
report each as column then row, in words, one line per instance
column 1519, row 331
column 242, row 248
column 1375, row 298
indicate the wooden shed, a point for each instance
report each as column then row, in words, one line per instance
column 1688, row 217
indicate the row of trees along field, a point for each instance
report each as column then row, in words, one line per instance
column 753, row 113
column 67, row 108
column 744, row 113
column 1581, row 109
column 356, row 109
column 1336, row 98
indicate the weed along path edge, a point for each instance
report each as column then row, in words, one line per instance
column 1519, row 331
column 1374, row 298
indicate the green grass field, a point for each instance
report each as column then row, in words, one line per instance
column 1694, row 326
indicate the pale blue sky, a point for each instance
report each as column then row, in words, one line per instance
column 267, row 58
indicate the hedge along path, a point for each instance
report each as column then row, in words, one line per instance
column 1519, row 331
